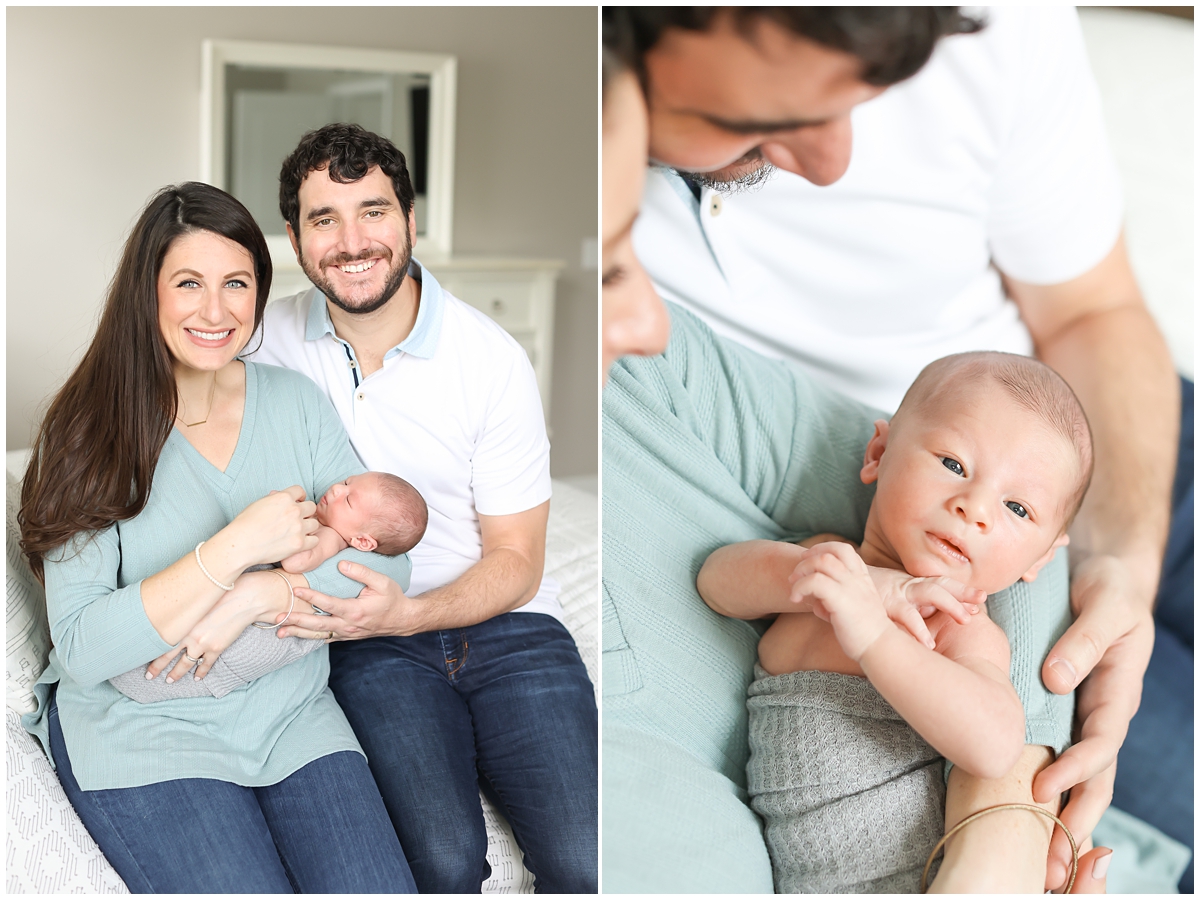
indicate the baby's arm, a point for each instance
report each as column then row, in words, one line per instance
column 329, row 543
column 958, row 698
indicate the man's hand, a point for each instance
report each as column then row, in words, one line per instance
column 380, row 609
column 1107, row 648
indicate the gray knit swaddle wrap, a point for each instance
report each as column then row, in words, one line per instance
column 256, row 652
column 852, row 798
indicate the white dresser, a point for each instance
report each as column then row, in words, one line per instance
column 517, row 293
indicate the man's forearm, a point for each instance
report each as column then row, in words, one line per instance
column 500, row 582
column 1119, row 366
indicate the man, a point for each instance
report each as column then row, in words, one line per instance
column 984, row 177
column 471, row 680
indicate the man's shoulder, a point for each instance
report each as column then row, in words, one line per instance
column 466, row 329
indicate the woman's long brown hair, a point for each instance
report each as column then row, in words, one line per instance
column 94, row 457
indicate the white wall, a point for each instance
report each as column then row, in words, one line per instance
column 103, row 109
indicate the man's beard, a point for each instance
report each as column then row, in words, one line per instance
column 371, row 304
column 748, row 173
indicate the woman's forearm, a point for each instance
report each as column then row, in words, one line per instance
column 1005, row 851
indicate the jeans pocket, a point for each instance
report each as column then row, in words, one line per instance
column 619, row 666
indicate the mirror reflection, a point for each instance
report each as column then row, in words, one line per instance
column 268, row 109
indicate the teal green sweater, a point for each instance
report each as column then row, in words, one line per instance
column 259, row 734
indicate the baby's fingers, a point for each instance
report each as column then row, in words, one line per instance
column 912, row 622
column 946, row 594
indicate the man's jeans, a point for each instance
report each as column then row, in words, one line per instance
column 1155, row 765
column 322, row 829
column 506, row 705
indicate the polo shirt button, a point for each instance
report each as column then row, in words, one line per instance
column 714, row 204
column 361, row 395
column 353, row 364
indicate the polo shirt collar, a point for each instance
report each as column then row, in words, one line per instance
column 421, row 341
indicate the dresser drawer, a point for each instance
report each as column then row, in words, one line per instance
column 509, row 303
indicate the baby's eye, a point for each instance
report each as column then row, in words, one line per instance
column 1017, row 508
column 953, row 465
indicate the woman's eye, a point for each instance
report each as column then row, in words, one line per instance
column 1017, row 508
column 612, row 277
column 188, row 283
column 953, row 465
column 235, row 283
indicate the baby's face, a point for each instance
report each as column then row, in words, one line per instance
column 349, row 506
column 977, row 492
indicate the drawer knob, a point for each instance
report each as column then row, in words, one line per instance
column 497, row 307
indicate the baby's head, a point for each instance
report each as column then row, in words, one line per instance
column 980, row 472
column 375, row 511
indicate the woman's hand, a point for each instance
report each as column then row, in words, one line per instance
column 273, row 528
column 256, row 597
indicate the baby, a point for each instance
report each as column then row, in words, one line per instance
column 978, row 476
column 375, row 511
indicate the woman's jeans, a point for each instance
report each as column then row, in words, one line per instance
column 322, row 830
column 505, row 705
column 1156, row 764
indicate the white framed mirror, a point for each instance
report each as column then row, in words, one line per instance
column 258, row 99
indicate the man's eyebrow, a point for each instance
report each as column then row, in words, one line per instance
column 751, row 126
column 319, row 213
column 375, row 201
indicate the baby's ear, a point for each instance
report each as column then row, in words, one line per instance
column 363, row 542
column 875, row 448
column 1062, row 541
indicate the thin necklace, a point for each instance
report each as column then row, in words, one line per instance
column 211, row 394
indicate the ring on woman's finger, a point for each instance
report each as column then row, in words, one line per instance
column 193, row 660
column 330, row 638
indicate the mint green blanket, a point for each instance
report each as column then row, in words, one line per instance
column 706, row 445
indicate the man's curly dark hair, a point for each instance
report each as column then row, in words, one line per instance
column 349, row 151
column 893, row 42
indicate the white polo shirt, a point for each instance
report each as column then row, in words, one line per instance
column 455, row 411
column 992, row 158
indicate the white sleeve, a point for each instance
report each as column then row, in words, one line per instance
column 510, row 469
column 1055, row 205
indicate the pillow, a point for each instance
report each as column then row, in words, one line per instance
column 26, row 627
column 48, row 850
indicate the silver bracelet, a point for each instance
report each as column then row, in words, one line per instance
column 208, row 574
column 291, row 591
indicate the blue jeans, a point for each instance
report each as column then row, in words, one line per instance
column 505, row 705
column 1155, row 765
column 321, row 830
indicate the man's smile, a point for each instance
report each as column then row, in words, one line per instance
column 355, row 268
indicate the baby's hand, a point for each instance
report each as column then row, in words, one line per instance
column 910, row 600
column 835, row 582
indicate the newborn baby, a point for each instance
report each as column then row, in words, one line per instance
column 978, row 475
column 375, row 511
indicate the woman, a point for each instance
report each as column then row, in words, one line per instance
column 635, row 322
column 159, row 475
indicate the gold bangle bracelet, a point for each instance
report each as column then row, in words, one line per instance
column 991, row 809
column 291, row 608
